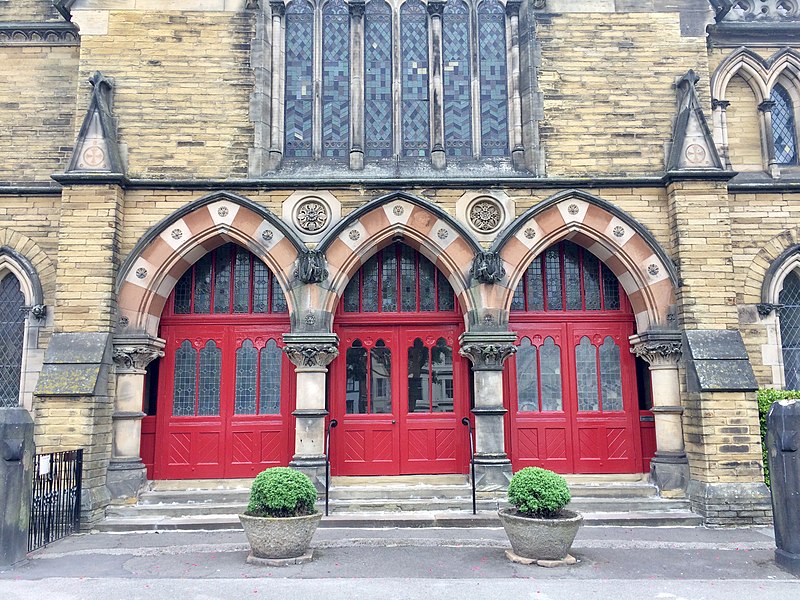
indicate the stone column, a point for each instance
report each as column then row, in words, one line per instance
column 487, row 351
column 278, row 9
column 515, row 114
column 356, row 84
column 669, row 469
column 435, row 10
column 720, row 120
column 311, row 353
column 765, row 108
column 126, row 471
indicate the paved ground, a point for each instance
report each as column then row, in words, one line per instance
column 614, row 563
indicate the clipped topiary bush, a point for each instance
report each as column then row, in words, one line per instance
column 281, row 492
column 765, row 400
column 539, row 493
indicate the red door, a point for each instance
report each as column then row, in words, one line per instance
column 573, row 404
column 398, row 388
column 226, row 391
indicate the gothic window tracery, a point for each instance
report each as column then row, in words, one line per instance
column 784, row 131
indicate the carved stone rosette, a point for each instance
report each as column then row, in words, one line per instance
column 658, row 349
column 311, row 355
column 132, row 355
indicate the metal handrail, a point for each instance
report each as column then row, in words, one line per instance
column 331, row 424
column 465, row 421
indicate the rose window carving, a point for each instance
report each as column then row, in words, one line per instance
column 312, row 216
column 485, row 216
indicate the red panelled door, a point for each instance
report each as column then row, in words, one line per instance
column 399, row 387
column 572, row 384
column 226, row 391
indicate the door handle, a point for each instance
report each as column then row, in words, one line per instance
column 393, row 421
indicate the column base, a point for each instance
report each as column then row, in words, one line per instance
column 314, row 467
column 731, row 504
column 788, row 561
column 492, row 472
column 356, row 160
column 669, row 472
column 438, row 158
column 274, row 159
column 125, row 478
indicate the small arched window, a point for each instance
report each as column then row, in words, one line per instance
column 12, row 332
column 789, row 298
column 784, row 131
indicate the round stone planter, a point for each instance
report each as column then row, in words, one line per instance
column 540, row 539
column 280, row 537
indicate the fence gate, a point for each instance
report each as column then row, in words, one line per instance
column 55, row 502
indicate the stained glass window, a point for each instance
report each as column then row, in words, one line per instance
column 389, row 282
column 550, row 360
column 202, row 285
column 457, row 80
column 12, row 331
column 209, row 380
column 336, row 79
column 789, row 298
column 183, row 294
column 378, row 79
column 299, row 88
column 586, row 368
column 553, row 274
column 527, row 377
column 185, row 390
column 241, row 281
column 610, row 375
column 246, row 373
column 222, row 280
column 494, row 84
column 414, row 51
column 784, row 131
column 270, row 384
column 572, row 277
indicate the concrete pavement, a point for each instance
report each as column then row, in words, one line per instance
column 666, row 563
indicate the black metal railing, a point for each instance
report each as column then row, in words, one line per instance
column 466, row 422
column 331, row 425
column 56, row 498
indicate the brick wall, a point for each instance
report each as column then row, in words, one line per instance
column 744, row 135
column 28, row 10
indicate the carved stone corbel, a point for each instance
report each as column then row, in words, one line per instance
column 311, row 267
column 487, row 267
column 133, row 354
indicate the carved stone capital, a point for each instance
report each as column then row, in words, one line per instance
column 764, row 308
column 723, row 104
column 133, row 354
column 436, row 8
column 277, row 7
column 356, row 7
column 311, row 267
column 766, row 106
column 658, row 349
column 487, row 267
column 311, row 350
column 513, row 6
column 487, row 351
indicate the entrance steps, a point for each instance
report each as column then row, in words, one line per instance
column 405, row 501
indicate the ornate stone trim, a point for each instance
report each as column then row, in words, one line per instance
column 658, row 348
column 764, row 308
column 37, row 311
column 311, row 267
column 311, row 355
column 487, row 356
column 38, row 34
column 132, row 355
column 487, row 267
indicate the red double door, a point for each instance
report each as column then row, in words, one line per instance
column 399, row 395
column 573, row 404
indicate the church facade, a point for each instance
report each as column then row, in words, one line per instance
column 571, row 226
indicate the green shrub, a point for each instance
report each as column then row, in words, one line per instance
column 281, row 492
column 538, row 492
column 765, row 400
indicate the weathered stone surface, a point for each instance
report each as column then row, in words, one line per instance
column 541, row 539
column 280, row 538
column 17, row 452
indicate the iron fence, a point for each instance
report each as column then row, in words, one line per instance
column 55, row 502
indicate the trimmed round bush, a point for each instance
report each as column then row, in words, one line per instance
column 538, row 492
column 281, row 492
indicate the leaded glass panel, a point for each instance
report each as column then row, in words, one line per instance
column 447, row 298
column 427, row 285
column 414, row 51
column 380, row 382
column 789, row 298
column 494, row 82
column 210, row 373
column 279, row 304
column 610, row 290
column 389, row 282
column 351, row 293
column 586, row 370
column 369, row 292
column 553, row 274
column 527, row 377
column 356, row 384
column 261, row 287
column 336, row 79
column 591, row 281
column 222, row 280
column 419, row 372
column 518, row 300
column 784, row 132
column 550, row 363
column 442, row 395
column 202, row 285
column 12, row 332
column 378, row 79
column 246, row 374
column 241, row 281
column 299, row 86
column 457, row 80
column 610, row 375
column 270, row 379
column 408, row 279
column 185, row 386
column 536, row 285
column 182, row 304
column 572, row 277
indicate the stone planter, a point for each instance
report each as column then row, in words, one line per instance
column 280, row 538
column 540, row 539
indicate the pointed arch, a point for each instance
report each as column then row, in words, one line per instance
column 748, row 65
column 419, row 223
column 633, row 254
column 170, row 247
